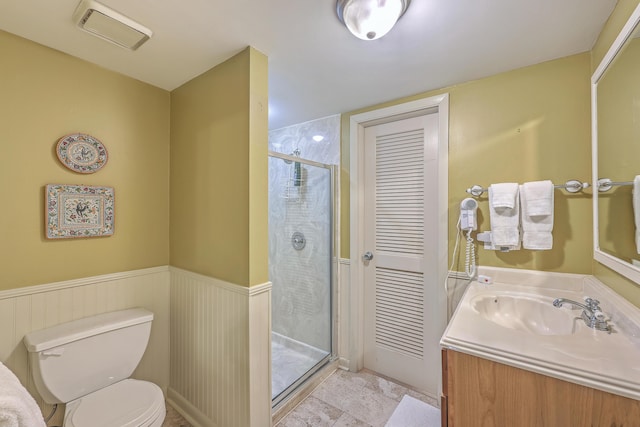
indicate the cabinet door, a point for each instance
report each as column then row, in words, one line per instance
column 482, row 393
column 444, row 404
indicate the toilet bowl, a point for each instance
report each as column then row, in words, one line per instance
column 87, row 364
column 128, row 403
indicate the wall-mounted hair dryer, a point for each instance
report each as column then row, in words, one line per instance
column 468, row 223
column 468, row 214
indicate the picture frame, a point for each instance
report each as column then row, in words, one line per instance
column 79, row 211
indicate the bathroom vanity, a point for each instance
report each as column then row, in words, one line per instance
column 515, row 356
column 511, row 358
column 479, row 392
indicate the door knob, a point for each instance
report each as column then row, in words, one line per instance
column 368, row 256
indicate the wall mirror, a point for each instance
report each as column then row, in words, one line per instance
column 615, row 96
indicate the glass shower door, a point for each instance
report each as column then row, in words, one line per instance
column 300, row 255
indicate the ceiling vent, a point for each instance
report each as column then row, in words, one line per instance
column 110, row 25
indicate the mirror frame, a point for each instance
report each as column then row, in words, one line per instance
column 624, row 268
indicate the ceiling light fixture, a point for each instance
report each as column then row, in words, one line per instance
column 110, row 25
column 371, row 19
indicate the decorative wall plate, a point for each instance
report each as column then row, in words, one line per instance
column 82, row 153
column 74, row 211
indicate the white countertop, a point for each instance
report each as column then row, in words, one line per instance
column 608, row 362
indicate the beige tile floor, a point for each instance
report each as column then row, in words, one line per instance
column 173, row 418
column 344, row 399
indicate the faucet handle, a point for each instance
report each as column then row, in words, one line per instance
column 599, row 315
column 592, row 303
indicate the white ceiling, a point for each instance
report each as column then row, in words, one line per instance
column 316, row 67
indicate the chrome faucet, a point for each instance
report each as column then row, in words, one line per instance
column 591, row 314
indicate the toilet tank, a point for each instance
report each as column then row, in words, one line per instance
column 76, row 358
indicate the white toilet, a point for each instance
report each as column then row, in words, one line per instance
column 86, row 364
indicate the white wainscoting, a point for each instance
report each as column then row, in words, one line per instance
column 27, row 309
column 220, row 351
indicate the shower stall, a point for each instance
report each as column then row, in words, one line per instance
column 301, row 240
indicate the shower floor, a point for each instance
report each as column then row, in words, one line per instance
column 290, row 359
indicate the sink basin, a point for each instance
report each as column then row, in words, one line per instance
column 526, row 314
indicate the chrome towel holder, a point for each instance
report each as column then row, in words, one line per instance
column 605, row 184
column 572, row 186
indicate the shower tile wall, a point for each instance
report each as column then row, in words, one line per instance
column 286, row 140
column 301, row 296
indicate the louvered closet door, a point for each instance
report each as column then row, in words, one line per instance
column 398, row 229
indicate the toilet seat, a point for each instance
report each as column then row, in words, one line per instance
column 127, row 403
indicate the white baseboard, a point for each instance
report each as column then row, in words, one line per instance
column 187, row 410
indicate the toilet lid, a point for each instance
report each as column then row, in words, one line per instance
column 127, row 403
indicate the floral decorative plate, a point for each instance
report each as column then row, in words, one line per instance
column 82, row 153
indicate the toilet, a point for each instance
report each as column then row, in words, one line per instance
column 87, row 363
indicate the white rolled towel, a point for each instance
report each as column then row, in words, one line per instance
column 505, row 221
column 17, row 406
column 536, row 229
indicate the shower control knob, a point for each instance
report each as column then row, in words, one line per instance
column 368, row 256
column 298, row 241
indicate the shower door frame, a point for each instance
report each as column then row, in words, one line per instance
column 333, row 226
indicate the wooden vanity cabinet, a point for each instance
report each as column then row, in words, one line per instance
column 481, row 393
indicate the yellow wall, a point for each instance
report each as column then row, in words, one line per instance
column 218, row 154
column 612, row 233
column 219, row 172
column 618, row 283
column 258, row 169
column 44, row 95
column 524, row 125
column 617, row 19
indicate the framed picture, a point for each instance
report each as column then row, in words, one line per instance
column 75, row 211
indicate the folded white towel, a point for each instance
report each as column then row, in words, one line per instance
column 504, row 194
column 539, row 195
column 17, row 407
column 537, row 229
column 505, row 222
column 636, row 209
